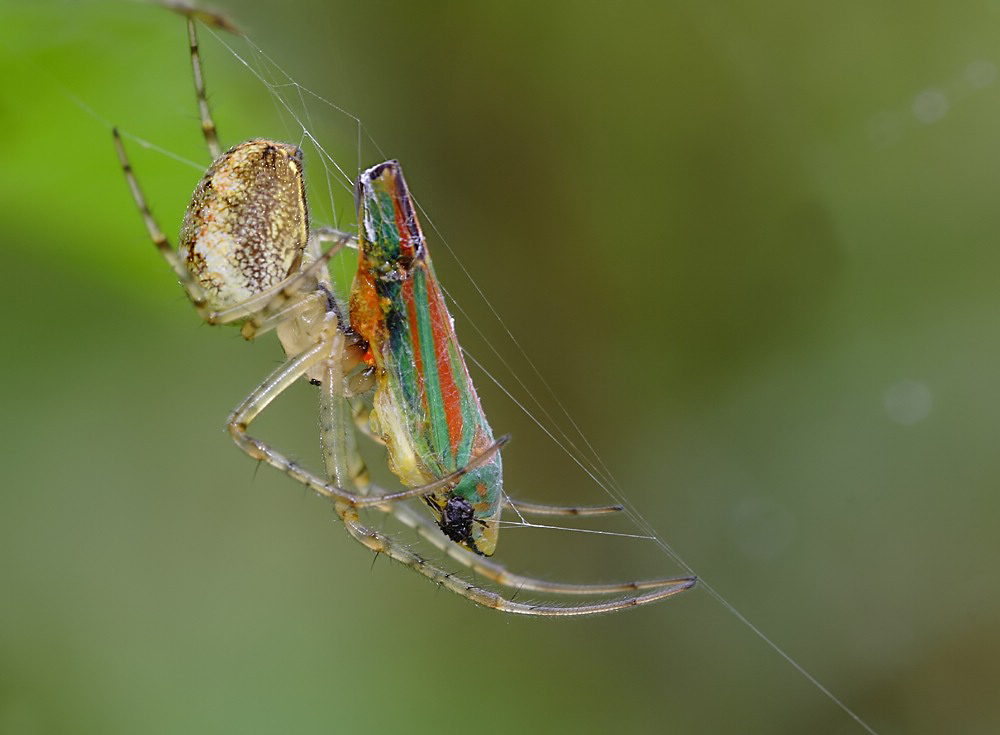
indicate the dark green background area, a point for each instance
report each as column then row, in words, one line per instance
column 754, row 250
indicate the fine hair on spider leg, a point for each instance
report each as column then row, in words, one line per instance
column 247, row 255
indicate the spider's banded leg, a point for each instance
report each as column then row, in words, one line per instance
column 499, row 573
column 430, row 531
column 382, row 544
column 207, row 123
column 277, row 383
column 194, row 291
column 361, row 413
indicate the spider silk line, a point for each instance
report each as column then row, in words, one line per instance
column 595, row 531
column 597, row 470
column 141, row 142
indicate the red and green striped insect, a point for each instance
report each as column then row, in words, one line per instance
column 248, row 257
column 425, row 407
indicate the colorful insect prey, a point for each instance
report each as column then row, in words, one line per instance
column 425, row 406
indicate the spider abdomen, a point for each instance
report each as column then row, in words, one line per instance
column 247, row 223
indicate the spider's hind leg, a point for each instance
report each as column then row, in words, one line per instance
column 498, row 573
column 382, row 544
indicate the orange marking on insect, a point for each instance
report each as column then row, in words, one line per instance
column 366, row 311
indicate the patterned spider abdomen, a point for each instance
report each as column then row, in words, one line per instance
column 247, row 223
column 425, row 407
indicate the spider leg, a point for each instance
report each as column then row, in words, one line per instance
column 382, row 544
column 498, row 572
column 278, row 382
column 194, row 291
column 335, row 439
column 339, row 445
column 207, row 123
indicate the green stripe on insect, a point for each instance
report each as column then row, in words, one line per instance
column 437, row 419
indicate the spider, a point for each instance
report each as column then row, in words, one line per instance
column 247, row 256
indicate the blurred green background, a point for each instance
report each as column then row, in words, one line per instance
column 754, row 250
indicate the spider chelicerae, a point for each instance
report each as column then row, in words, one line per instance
column 247, row 256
